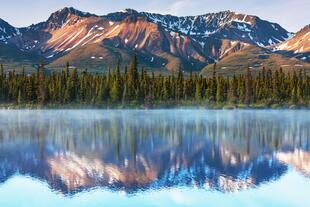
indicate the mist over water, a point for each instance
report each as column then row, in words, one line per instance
column 155, row 157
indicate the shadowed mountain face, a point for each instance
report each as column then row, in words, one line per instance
column 161, row 41
column 11, row 54
column 7, row 31
column 134, row 151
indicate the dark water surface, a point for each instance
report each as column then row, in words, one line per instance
column 154, row 158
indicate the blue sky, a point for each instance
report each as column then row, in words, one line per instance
column 291, row 14
column 275, row 194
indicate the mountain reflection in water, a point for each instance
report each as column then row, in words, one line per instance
column 132, row 150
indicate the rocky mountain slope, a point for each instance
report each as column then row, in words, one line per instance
column 161, row 41
column 7, row 31
column 298, row 46
column 256, row 58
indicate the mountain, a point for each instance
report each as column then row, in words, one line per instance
column 161, row 41
column 183, row 149
column 223, row 25
column 256, row 58
column 7, row 31
column 298, row 46
column 12, row 56
column 299, row 159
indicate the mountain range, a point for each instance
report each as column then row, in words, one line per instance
column 164, row 42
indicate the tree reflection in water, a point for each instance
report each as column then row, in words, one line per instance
column 140, row 150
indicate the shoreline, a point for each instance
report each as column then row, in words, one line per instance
column 154, row 107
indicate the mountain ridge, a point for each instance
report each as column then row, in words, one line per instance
column 161, row 41
column 297, row 46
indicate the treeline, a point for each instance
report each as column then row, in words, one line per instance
column 136, row 88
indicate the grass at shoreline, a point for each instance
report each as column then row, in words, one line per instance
column 159, row 105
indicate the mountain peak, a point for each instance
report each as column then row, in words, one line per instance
column 71, row 10
column 129, row 11
column 3, row 23
column 193, row 41
column 61, row 17
column 121, row 15
column 7, row 31
column 306, row 28
column 298, row 45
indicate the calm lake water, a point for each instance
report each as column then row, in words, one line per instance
column 154, row 158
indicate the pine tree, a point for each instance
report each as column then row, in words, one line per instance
column 19, row 99
column 233, row 90
column 74, row 85
column 116, row 90
column 197, row 91
column 220, row 92
column 2, row 80
column 1, row 71
column 189, row 86
column 213, row 85
column 179, row 85
column 41, row 85
column 135, row 87
column 248, row 87
column 293, row 86
column 165, row 90
column 133, row 79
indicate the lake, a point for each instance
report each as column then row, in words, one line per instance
column 187, row 157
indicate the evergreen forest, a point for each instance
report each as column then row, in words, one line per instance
column 132, row 86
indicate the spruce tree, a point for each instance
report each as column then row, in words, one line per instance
column 248, row 87
column 197, row 91
column 41, row 85
column 179, row 84
column 233, row 97
column 133, row 79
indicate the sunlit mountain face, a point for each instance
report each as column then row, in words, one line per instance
column 163, row 43
column 135, row 151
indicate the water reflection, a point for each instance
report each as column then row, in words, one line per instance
column 133, row 151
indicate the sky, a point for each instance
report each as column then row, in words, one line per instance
column 290, row 14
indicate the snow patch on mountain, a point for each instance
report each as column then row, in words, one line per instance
column 243, row 27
